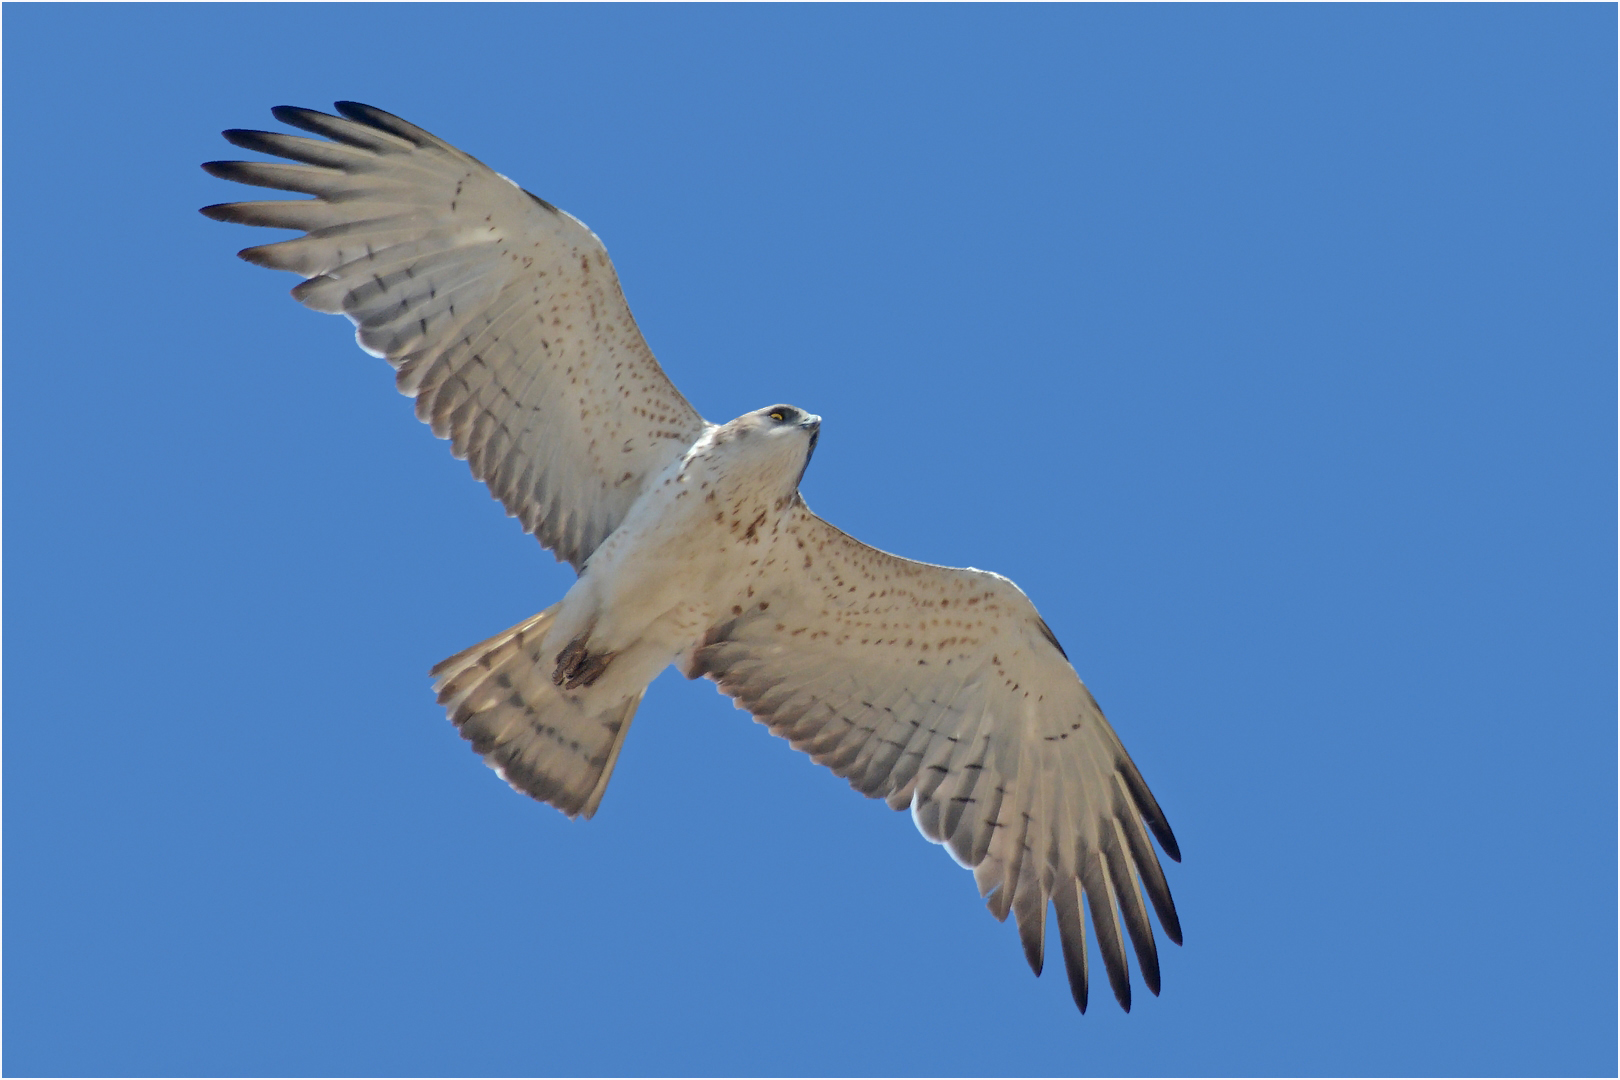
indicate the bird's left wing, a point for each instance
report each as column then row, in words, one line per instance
column 943, row 690
column 501, row 313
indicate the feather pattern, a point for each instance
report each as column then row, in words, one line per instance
column 500, row 696
column 502, row 315
column 942, row 690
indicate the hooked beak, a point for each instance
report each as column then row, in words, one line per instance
column 812, row 424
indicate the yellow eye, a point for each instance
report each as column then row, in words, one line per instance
column 777, row 416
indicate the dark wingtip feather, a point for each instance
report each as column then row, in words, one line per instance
column 1148, row 869
column 1150, row 976
column 1109, row 932
column 246, row 138
column 1072, row 936
column 384, row 121
column 1148, row 806
column 1077, row 984
column 218, row 211
column 1128, row 898
column 1035, row 955
column 292, row 114
column 364, row 132
column 311, row 120
column 262, row 255
column 1169, row 920
column 1030, row 907
column 1167, row 839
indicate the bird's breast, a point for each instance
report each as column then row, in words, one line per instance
column 690, row 547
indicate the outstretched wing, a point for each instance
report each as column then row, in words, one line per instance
column 943, row 690
column 501, row 313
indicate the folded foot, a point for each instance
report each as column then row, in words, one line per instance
column 577, row 666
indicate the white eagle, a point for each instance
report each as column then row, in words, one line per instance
column 933, row 688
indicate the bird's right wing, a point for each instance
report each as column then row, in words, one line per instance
column 942, row 690
column 502, row 314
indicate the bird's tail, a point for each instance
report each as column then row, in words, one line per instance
column 556, row 746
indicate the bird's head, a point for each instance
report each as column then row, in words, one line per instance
column 776, row 441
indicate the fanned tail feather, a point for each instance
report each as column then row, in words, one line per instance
column 556, row 747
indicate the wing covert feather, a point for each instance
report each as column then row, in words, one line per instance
column 942, row 690
column 501, row 314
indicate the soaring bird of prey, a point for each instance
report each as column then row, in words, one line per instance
column 936, row 689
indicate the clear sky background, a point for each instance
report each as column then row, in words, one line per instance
column 1271, row 350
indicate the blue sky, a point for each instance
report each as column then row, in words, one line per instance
column 1270, row 349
